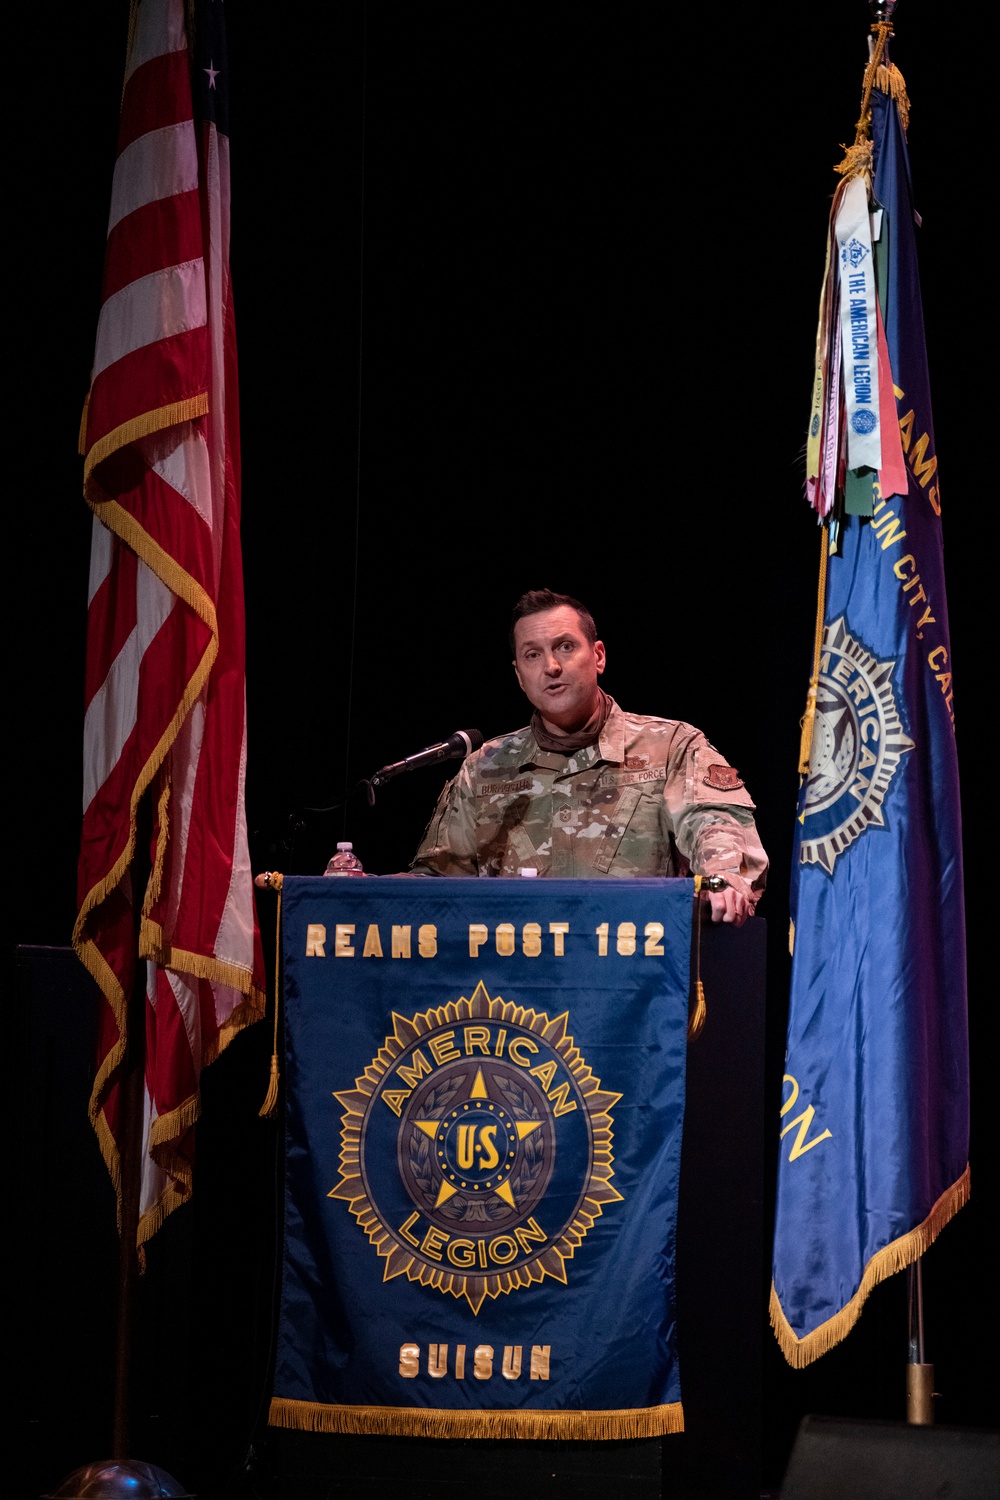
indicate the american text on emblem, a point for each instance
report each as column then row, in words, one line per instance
column 476, row 1148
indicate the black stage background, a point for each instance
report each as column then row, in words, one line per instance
column 591, row 241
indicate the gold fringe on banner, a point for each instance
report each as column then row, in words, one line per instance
column 165, row 1128
column 177, row 1191
column 144, row 425
column 886, row 1262
column 218, row 970
column 525, row 1422
column 162, row 822
column 124, row 525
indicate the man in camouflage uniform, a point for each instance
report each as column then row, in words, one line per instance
column 587, row 790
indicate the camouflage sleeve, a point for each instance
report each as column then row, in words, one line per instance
column 448, row 846
column 713, row 826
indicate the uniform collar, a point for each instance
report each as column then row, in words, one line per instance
column 612, row 741
column 610, row 746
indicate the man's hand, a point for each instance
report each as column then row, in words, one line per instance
column 729, row 906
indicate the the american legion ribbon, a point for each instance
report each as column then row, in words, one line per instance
column 858, row 329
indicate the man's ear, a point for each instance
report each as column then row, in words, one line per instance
column 601, row 656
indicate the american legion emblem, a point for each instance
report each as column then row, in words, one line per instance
column 858, row 743
column 476, row 1148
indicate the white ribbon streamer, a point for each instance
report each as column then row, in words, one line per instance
column 859, row 341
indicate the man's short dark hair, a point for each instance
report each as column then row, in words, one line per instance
column 536, row 601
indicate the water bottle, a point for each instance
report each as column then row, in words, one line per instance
column 345, row 861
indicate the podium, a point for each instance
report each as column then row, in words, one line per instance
column 719, row 1259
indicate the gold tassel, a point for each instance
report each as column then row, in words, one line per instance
column 857, row 160
column 518, row 1422
column 269, row 1108
column 890, row 81
column 699, row 1015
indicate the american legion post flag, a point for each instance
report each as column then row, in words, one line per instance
column 484, row 1100
column 875, row 1115
column 165, row 690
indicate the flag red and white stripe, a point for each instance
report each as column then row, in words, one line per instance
column 165, row 690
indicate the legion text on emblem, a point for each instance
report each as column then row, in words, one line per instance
column 857, row 744
column 476, row 1148
column 723, row 778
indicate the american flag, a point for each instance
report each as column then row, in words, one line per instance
column 165, row 690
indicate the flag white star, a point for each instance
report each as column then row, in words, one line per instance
column 212, row 71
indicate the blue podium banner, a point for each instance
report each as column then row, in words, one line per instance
column 484, row 1102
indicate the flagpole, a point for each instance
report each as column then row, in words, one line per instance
column 121, row 1477
column 132, row 1087
column 131, row 1170
column 919, row 1376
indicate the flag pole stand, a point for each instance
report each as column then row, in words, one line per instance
column 919, row 1376
column 131, row 1175
column 121, row 1477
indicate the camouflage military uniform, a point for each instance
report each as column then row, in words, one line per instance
column 649, row 798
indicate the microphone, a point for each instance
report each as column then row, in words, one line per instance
column 461, row 744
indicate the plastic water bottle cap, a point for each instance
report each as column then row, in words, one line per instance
column 345, row 845
column 527, row 871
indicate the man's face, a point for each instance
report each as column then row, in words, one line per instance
column 557, row 667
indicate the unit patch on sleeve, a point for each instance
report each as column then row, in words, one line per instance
column 722, row 778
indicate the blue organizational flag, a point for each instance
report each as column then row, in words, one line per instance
column 485, row 1092
column 874, row 1128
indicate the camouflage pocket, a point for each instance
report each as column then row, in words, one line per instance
column 494, row 828
column 618, row 823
